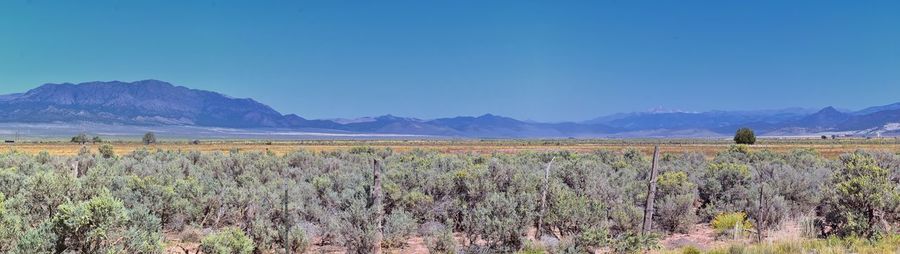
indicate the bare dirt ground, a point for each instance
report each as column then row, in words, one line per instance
column 701, row 236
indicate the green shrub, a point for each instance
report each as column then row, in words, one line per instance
column 398, row 226
column 300, row 240
column 734, row 223
column 502, row 220
column 676, row 195
column 441, row 241
column 861, row 200
column 39, row 239
column 725, row 188
column 690, row 250
column 592, row 238
column 739, row 149
column 91, row 226
column 106, row 150
column 229, row 240
column 10, row 227
column 634, row 243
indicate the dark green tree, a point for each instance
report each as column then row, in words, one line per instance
column 80, row 139
column 745, row 136
column 149, row 138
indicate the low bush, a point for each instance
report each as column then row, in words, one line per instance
column 398, row 227
column 229, row 240
column 733, row 223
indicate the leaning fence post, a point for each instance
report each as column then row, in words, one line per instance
column 651, row 194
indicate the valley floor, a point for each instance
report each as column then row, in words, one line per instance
column 708, row 147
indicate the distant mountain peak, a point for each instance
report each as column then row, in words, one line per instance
column 829, row 110
column 492, row 116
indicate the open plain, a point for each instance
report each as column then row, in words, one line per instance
column 708, row 147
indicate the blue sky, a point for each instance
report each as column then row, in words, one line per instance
column 538, row 60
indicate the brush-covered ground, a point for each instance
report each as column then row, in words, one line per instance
column 451, row 197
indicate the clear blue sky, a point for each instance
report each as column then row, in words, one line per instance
column 539, row 60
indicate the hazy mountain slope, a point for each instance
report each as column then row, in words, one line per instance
column 711, row 120
column 157, row 103
column 870, row 110
column 873, row 120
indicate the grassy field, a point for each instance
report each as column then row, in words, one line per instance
column 708, row 147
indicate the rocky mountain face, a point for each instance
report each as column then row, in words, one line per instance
column 157, row 103
column 145, row 102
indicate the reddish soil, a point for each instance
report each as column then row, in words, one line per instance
column 700, row 236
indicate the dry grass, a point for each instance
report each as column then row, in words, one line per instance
column 827, row 148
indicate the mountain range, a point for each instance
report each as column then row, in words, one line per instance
column 158, row 103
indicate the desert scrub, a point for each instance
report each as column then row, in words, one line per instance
column 734, row 224
column 863, row 200
column 398, row 227
column 725, row 187
column 634, row 243
column 690, row 250
column 888, row 244
column 489, row 202
column 230, row 240
column 675, row 204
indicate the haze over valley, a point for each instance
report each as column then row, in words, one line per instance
column 117, row 108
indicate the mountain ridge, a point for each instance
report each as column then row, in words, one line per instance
column 154, row 102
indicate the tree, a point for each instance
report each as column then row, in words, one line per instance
column 96, row 139
column 149, row 138
column 745, row 136
column 80, row 139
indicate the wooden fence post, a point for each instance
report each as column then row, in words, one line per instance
column 377, row 200
column 651, row 194
column 540, row 221
column 286, row 221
